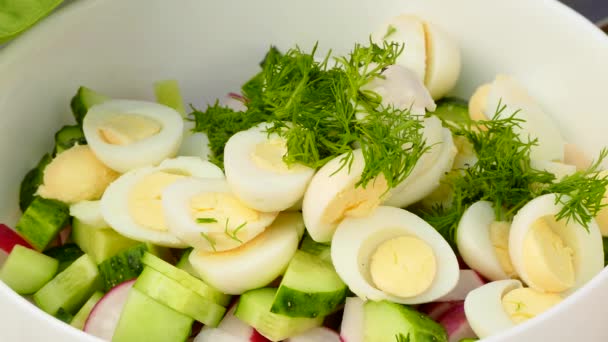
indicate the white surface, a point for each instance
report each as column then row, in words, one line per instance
column 121, row 47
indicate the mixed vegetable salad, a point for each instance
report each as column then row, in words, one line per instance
column 335, row 198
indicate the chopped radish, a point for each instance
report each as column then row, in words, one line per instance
column 103, row 319
column 9, row 238
column 469, row 280
column 455, row 323
column 319, row 334
column 64, row 235
column 351, row 329
column 230, row 329
column 217, row 335
column 436, row 309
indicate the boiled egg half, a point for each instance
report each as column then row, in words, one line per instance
column 393, row 254
column 132, row 204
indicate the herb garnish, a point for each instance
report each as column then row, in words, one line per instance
column 206, row 220
column 235, row 231
column 210, row 240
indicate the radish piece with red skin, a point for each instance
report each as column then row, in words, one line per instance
column 319, row 334
column 468, row 281
column 456, row 325
column 9, row 238
column 351, row 329
column 230, row 329
column 104, row 317
column 435, row 310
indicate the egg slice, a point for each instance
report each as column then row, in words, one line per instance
column 131, row 205
column 483, row 243
column 500, row 305
column 254, row 264
column 333, row 195
column 536, row 124
column 430, row 52
column 393, row 254
column 126, row 134
column 553, row 256
column 257, row 174
column 204, row 213
column 430, row 168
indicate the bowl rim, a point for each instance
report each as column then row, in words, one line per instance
column 62, row 16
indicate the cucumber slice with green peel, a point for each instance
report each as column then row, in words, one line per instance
column 321, row 250
column 42, row 221
column 84, row 99
column 144, row 319
column 186, row 279
column 81, row 316
column 27, row 271
column 70, row 288
column 64, row 316
column 254, row 309
column 179, row 298
column 65, row 254
column 67, row 137
column 167, row 93
column 100, row 244
column 31, row 182
column 310, row 288
column 184, row 264
column 384, row 320
column 452, row 110
column 123, row 266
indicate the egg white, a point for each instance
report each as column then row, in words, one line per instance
column 89, row 212
column 146, row 152
column 356, row 240
column 443, row 60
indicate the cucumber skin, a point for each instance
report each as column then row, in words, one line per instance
column 27, row 271
column 144, row 319
column 294, row 303
column 84, row 99
column 321, row 250
column 31, row 181
column 67, row 137
column 65, row 254
column 124, row 266
column 64, row 316
column 40, row 231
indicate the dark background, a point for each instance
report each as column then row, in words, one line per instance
column 595, row 10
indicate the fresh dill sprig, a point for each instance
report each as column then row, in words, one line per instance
column 389, row 32
column 233, row 235
column 206, row 220
column 211, row 241
column 402, row 338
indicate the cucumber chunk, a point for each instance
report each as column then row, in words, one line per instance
column 452, row 110
column 321, row 250
column 84, row 99
column 310, row 288
column 31, row 182
column 385, row 320
column 70, row 288
column 184, row 264
column 81, row 316
column 65, row 254
column 167, row 93
column 254, row 309
column 185, row 279
column 42, row 221
column 100, row 244
column 179, row 298
column 67, row 137
column 124, row 266
column 27, row 271
column 144, row 319
column 64, row 316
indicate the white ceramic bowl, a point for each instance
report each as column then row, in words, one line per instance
column 121, row 47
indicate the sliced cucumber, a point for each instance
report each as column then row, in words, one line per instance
column 67, row 137
column 42, row 221
column 144, row 319
column 64, row 316
column 185, row 279
column 100, row 244
column 321, row 250
column 184, row 263
column 70, row 288
column 310, row 288
column 452, row 110
column 179, row 298
column 81, row 316
column 31, row 182
column 123, row 266
column 167, row 93
column 385, row 320
column 65, row 254
column 27, row 271
column 254, row 309
column 84, row 99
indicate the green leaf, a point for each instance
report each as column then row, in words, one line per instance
column 18, row 15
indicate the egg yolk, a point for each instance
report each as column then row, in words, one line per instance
column 145, row 203
column 525, row 303
column 548, row 262
column 224, row 209
column 404, row 266
column 125, row 129
column 76, row 175
column 499, row 235
column 268, row 155
column 356, row 201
